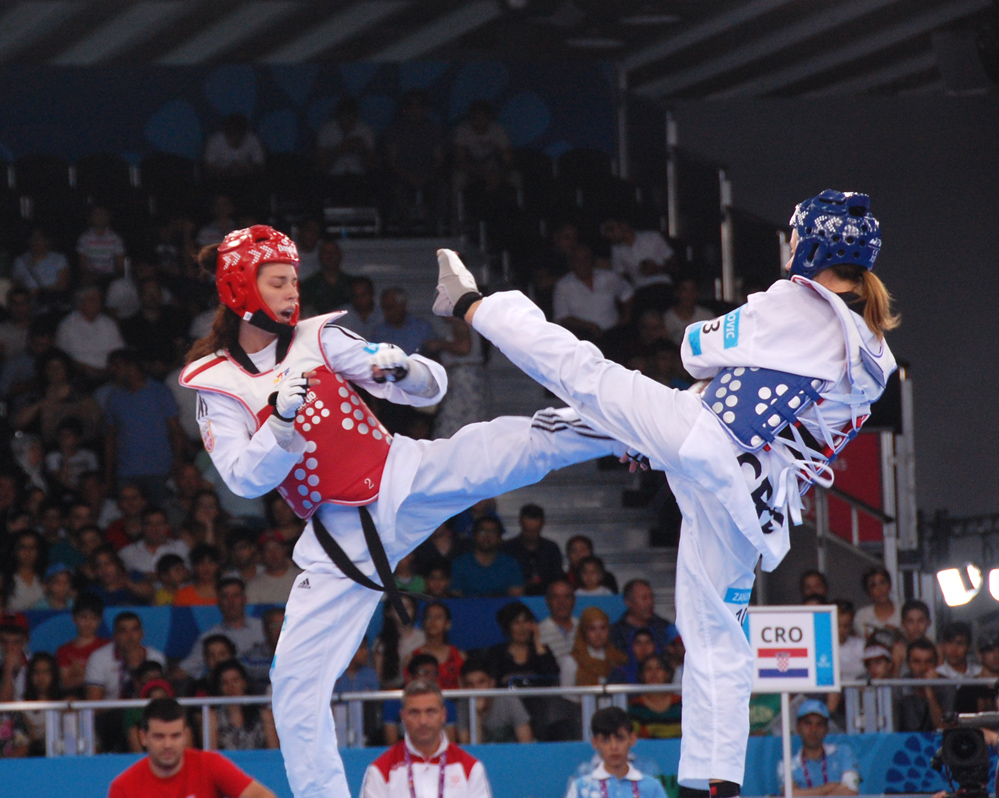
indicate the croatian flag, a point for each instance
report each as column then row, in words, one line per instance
column 787, row 663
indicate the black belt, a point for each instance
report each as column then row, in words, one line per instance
column 378, row 556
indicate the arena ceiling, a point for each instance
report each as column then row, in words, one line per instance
column 664, row 48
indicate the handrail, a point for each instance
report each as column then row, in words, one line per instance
column 860, row 504
column 867, row 704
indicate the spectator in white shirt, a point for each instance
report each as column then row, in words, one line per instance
column 642, row 256
column 156, row 541
column 558, row 630
column 590, row 301
column 955, row 643
column 346, row 145
column 109, row 668
column 88, row 335
column 274, row 583
column 100, row 249
column 244, row 631
column 685, row 310
column 234, row 151
column 40, row 270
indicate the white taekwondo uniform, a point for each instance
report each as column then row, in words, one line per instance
column 410, row 487
column 735, row 504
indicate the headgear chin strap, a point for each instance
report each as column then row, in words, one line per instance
column 834, row 228
column 241, row 254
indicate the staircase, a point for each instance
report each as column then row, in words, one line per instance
column 581, row 499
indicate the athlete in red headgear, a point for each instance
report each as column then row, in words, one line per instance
column 277, row 409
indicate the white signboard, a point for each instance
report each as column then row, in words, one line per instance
column 795, row 649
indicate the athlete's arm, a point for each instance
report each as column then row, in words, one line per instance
column 351, row 356
column 250, row 465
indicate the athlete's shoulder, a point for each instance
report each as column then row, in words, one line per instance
column 196, row 368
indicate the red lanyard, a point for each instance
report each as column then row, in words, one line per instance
column 825, row 769
column 603, row 788
column 440, row 784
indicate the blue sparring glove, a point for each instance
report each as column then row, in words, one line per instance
column 389, row 364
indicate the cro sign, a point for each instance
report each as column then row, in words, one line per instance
column 795, row 649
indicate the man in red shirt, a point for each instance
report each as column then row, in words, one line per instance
column 170, row 771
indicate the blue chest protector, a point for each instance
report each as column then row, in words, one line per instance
column 755, row 404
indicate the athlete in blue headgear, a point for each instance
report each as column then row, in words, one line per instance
column 786, row 381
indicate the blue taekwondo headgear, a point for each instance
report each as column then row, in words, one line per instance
column 834, row 228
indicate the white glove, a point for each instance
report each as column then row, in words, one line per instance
column 392, row 362
column 455, row 286
column 289, row 397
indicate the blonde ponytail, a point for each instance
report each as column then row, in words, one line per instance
column 877, row 311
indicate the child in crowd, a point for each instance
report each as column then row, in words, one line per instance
column 59, row 592
column 437, row 582
column 101, row 249
column 615, row 776
column 72, row 657
column 591, row 577
column 69, row 461
column 172, row 573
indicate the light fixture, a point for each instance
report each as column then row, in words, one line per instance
column 961, row 585
column 994, row 583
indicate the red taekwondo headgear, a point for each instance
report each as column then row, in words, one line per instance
column 241, row 254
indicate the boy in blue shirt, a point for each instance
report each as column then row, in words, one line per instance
column 615, row 777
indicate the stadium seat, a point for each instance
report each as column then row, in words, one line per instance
column 37, row 173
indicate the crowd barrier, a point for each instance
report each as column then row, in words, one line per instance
column 889, row 763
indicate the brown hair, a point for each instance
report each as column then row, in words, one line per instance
column 225, row 325
column 877, row 307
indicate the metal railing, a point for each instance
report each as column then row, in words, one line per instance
column 70, row 727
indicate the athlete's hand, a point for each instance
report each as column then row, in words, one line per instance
column 635, row 461
column 287, row 399
column 389, row 364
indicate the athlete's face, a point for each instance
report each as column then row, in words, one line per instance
column 424, row 716
column 278, row 286
column 164, row 741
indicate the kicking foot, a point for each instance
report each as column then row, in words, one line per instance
column 456, row 288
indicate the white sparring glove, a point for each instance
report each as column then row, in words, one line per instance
column 289, row 397
column 414, row 377
column 456, row 288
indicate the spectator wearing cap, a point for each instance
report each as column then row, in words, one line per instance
column 539, row 558
column 59, row 592
column 955, row 642
column 820, row 768
column 243, row 630
column 878, row 663
column 205, row 563
column 274, row 583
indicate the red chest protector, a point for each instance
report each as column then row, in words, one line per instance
column 346, row 446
